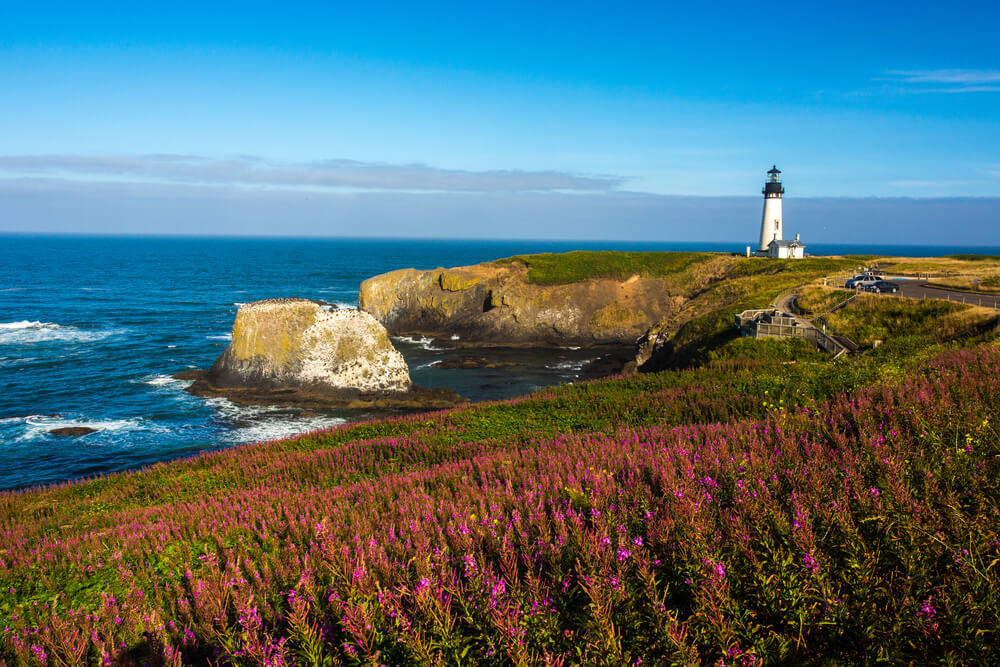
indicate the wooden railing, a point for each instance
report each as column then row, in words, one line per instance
column 770, row 322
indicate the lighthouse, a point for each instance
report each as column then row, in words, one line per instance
column 770, row 222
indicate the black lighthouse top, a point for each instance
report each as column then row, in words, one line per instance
column 772, row 186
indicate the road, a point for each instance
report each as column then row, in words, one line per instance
column 918, row 289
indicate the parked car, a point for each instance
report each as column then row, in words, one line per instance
column 882, row 287
column 867, row 277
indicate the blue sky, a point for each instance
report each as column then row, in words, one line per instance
column 620, row 118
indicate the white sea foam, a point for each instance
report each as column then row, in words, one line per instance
column 422, row 341
column 339, row 305
column 227, row 336
column 170, row 347
column 454, row 336
column 260, row 423
column 16, row 361
column 239, row 303
column 166, row 381
column 38, row 426
column 11, row 289
column 569, row 365
column 26, row 332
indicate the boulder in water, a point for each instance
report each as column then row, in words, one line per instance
column 297, row 352
column 73, row 430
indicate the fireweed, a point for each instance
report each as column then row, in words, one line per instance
column 733, row 530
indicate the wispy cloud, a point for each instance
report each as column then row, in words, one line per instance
column 933, row 184
column 946, row 80
column 333, row 174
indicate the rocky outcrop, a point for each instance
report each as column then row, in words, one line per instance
column 73, row 431
column 300, row 352
column 495, row 304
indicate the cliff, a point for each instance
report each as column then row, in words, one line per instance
column 674, row 307
column 298, row 352
column 502, row 303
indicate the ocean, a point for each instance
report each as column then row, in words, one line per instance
column 91, row 329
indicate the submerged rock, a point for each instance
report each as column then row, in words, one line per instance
column 296, row 352
column 73, row 430
column 474, row 362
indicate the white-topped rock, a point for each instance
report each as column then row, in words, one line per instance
column 298, row 343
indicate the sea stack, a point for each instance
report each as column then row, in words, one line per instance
column 298, row 342
column 300, row 352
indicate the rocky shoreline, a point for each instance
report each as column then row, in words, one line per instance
column 318, row 397
column 302, row 353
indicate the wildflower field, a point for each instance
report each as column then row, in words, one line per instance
column 747, row 512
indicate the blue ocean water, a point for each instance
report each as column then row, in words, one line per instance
column 91, row 328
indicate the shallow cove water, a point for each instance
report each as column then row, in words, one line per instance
column 91, row 328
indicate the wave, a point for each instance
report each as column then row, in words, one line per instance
column 166, row 381
column 569, row 365
column 16, row 361
column 226, row 336
column 421, row 341
column 34, row 427
column 27, row 332
column 265, row 422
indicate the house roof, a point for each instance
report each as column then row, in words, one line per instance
column 787, row 244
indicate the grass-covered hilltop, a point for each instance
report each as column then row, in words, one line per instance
column 756, row 502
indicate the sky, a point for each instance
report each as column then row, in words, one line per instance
column 652, row 121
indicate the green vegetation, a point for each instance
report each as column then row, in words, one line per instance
column 748, row 511
column 571, row 267
column 869, row 318
column 768, row 349
column 751, row 510
column 749, row 283
column 983, row 282
column 816, row 300
column 811, row 266
column 975, row 258
column 864, row 259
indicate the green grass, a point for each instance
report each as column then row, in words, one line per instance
column 768, row 349
column 975, row 258
column 740, row 379
column 863, row 258
column 749, row 283
column 762, row 266
column 816, row 300
column 571, row 267
column 870, row 318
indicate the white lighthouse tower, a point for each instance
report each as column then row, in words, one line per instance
column 770, row 223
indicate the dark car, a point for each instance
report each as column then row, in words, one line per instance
column 883, row 287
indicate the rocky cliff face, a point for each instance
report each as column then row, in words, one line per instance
column 296, row 352
column 495, row 304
